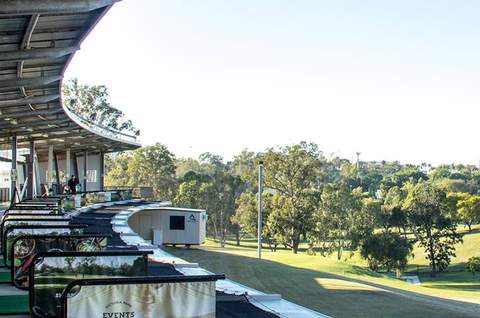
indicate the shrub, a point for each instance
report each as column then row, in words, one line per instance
column 386, row 249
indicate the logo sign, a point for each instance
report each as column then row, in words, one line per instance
column 192, row 218
column 108, row 313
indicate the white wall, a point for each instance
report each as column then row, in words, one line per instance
column 144, row 222
column 93, row 164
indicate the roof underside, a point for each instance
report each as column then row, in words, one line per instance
column 37, row 41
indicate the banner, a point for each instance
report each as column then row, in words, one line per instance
column 26, row 247
column 51, row 274
column 156, row 300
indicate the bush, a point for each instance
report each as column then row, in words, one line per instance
column 389, row 250
column 473, row 265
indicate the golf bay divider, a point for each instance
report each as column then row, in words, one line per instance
column 31, row 208
column 43, row 215
column 148, row 297
column 30, row 220
column 51, row 272
column 25, row 247
column 17, row 230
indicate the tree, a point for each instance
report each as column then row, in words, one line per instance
column 153, row 166
column 292, row 174
column 189, row 195
column 91, row 103
column 468, row 208
column 392, row 215
column 246, row 217
column 473, row 265
column 338, row 213
column 116, row 169
column 386, row 249
column 430, row 216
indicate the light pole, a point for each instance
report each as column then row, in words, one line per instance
column 260, row 191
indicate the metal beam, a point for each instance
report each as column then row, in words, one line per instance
column 22, row 132
column 57, row 172
column 13, row 175
column 29, row 100
column 85, row 165
column 37, row 123
column 68, row 163
column 25, row 7
column 102, row 170
column 31, row 54
column 26, row 43
column 31, row 113
column 50, row 167
column 31, row 174
column 28, row 82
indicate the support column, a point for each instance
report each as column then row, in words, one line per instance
column 13, row 174
column 31, row 182
column 50, row 167
column 57, row 173
column 68, row 162
column 85, row 159
column 102, row 171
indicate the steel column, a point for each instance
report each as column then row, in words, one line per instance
column 13, row 174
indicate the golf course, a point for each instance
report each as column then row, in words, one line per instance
column 347, row 288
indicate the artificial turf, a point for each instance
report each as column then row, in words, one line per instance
column 14, row 304
column 4, row 277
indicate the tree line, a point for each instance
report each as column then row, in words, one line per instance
column 380, row 209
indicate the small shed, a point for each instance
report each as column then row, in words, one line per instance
column 170, row 226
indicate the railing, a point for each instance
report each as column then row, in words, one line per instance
column 99, row 129
column 80, row 199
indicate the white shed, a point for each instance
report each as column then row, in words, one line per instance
column 170, row 226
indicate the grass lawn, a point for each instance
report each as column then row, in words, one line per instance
column 347, row 288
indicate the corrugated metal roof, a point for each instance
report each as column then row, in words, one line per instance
column 37, row 41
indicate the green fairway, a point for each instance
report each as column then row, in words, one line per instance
column 346, row 288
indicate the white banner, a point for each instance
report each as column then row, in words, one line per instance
column 161, row 300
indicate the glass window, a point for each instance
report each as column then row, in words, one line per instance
column 91, row 175
column 177, row 222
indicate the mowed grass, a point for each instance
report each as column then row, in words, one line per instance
column 347, row 288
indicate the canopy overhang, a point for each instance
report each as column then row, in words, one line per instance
column 38, row 39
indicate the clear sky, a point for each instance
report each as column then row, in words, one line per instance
column 395, row 80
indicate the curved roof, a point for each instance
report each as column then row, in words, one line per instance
column 38, row 39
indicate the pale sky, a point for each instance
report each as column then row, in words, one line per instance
column 395, row 80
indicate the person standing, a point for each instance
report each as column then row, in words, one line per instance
column 72, row 184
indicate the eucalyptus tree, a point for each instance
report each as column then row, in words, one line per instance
column 432, row 220
column 91, row 103
column 291, row 173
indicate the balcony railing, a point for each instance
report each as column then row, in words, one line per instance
column 99, row 129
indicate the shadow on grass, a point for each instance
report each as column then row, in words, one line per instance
column 459, row 287
column 331, row 294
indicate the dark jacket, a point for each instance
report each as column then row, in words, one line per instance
column 72, row 184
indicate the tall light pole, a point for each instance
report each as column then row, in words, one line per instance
column 260, row 192
column 358, row 160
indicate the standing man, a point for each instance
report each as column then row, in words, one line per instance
column 72, row 184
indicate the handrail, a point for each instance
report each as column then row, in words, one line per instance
column 109, row 132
